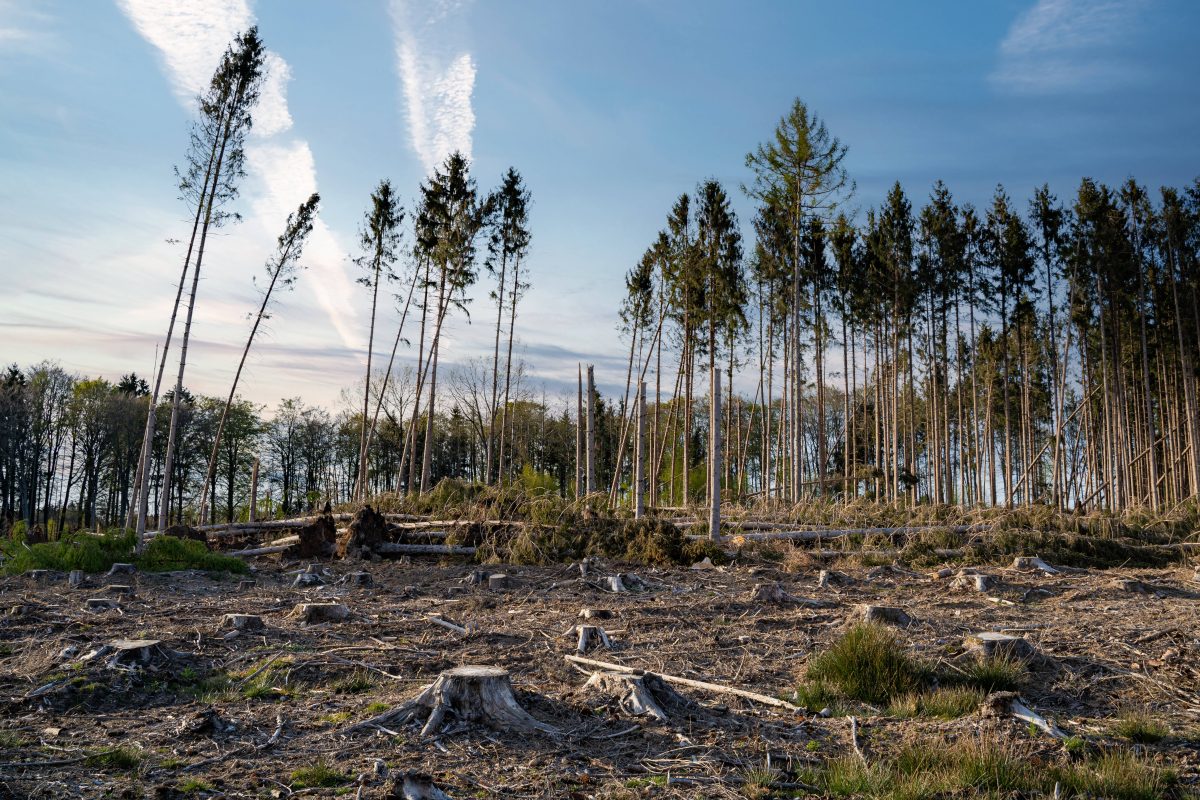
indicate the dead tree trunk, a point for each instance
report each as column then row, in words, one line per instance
column 639, row 467
column 714, row 459
column 591, row 430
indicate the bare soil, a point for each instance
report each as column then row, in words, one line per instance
column 206, row 711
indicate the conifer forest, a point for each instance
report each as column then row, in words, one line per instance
column 889, row 497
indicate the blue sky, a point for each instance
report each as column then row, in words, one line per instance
column 609, row 110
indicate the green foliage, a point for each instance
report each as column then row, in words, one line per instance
column 357, row 681
column 319, row 775
column 943, row 703
column 165, row 553
column 92, row 553
column 869, row 665
column 81, row 550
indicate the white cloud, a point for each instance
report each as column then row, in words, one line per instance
column 437, row 76
column 1065, row 45
column 192, row 35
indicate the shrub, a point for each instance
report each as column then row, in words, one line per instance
column 165, row 553
column 868, row 664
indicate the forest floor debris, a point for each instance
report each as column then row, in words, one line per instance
column 187, row 702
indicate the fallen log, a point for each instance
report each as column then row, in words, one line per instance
column 841, row 533
column 709, row 687
column 391, row 548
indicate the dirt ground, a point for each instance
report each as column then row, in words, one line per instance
column 208, row 712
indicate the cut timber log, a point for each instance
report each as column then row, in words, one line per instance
column 884, row 615
column 675, row 679
column 312, row 613
column 839, row 533
column 390, row 548
column 988, row 645
column 469, row 694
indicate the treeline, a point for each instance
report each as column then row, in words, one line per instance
column 1028, row 352
column 69, row 447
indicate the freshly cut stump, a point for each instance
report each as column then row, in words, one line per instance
column 469, row 694
column 885, row 615
column 989, row 645
column 242, row 622
column 590, row 636
column 311, row 613
column 637, row 695
column 500, row 582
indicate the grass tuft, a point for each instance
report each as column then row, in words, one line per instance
column 995, row 675
column 868, row 664
column 319, row 775
column 122, row 758
column 1140, row 727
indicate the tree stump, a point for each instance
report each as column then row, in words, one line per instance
column 77, row 578
column 477, row 577
column 884, row 615
column 122, row 569
column 38, row 575
column 775, row 594
column 468, row 694
column 363, row 580
column 595, row 613
column 245, row 585
column 242, row 622
column 590, row 636
column 500, row 582
column 366, row 531
column 988, row 645
column 416, row 786
column 312, row 613
column 100, row 603
column 119, row 589
column 637, row 695
column 973, row 580
column 307, row 578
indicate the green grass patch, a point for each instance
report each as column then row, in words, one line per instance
column 377, row 707
column 869, row 665
column 994, row 674
column 121, row 758
column 92, row 553
column 354, row 683
column 976, row 768
column 10, row 740
column 1140, row 727
column 194, row 786
column 319, row 775
column 948, row 702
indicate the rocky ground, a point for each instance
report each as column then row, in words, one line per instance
column 157, row 696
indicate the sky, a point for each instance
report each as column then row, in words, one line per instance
column 609, row 111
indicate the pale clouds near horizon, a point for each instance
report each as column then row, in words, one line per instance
column 437, row 76
column 1060, row 45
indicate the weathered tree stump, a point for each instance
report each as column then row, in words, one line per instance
column 246, row 585
column 775, row 594
column 313, row 613
column 242, row 622
column 988, row 645
column 310, row 577
column 416, row 786
column 468, row 694
column 363, row 580
column 122, row 569
column 500, row 582
column 77, row 578
column 119, row 589
column 589, row 636
column 38, row 575
column 639, row 694
column 477, row 577
column 973, row 580
column 100, row 604
column 884, row 615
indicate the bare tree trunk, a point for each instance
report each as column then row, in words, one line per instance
column 591, row 430
column 639, row 476
column 580, row 435
column 714, row 456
